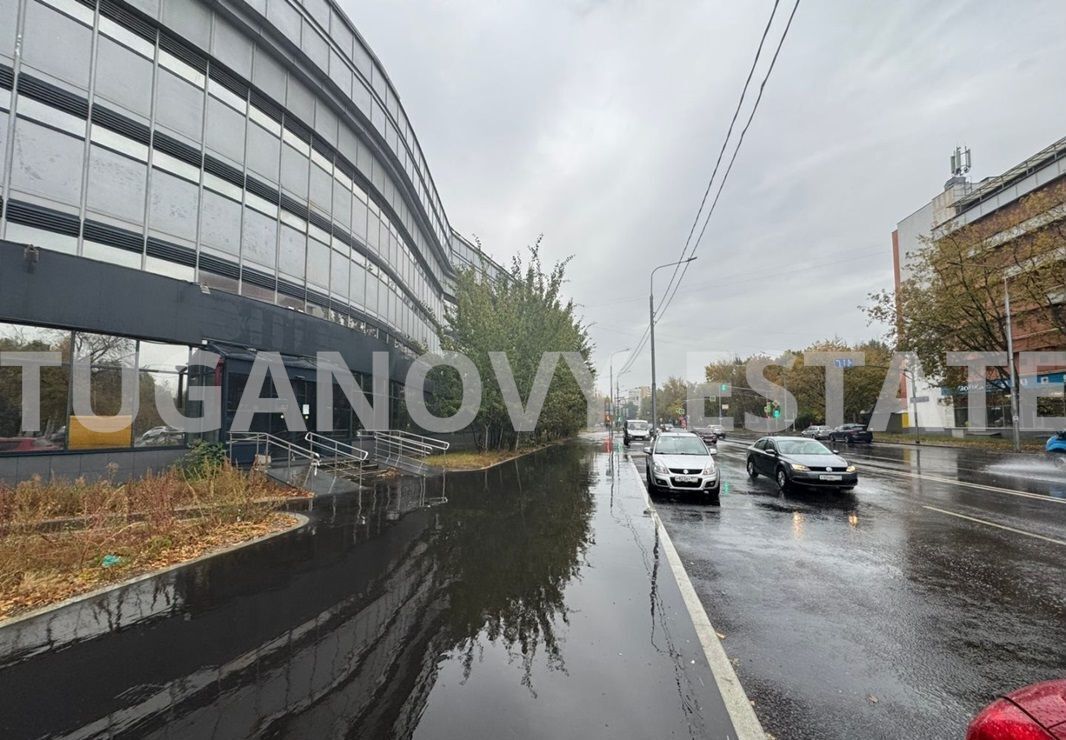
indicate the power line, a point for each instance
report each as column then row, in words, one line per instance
column 740, row 142
column 725, row 143
column 740, row 102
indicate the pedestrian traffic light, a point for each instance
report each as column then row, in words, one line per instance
column 777, row 413
column 724, row 388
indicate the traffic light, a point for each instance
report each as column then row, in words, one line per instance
column 724, row 388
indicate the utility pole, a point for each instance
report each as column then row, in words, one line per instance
column 651, row 319
column 1013, row 378
column 914, row 406
column 610, row 384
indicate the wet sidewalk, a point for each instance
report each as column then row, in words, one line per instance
column 531, row 600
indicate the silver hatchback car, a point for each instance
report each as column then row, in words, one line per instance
column 681, row 462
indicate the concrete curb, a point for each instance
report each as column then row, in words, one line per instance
column 741, row 712
column 301, row 521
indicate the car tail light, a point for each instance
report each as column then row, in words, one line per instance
column 1004, row 720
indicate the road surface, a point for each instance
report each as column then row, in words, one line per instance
column 897, row 610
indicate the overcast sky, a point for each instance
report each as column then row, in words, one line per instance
column 597, row 123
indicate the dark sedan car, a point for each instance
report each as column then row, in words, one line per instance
column 800, row 461
column 707, row 434
column 851, row 433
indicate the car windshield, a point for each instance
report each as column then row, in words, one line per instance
column 802, row 447
column 680, row 446
column 638, row 425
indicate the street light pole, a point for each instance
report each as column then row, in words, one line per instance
column 651, row 319
column 610, row 383
column 1010, row 364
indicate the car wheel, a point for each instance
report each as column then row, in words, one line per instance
column 651, row 486
column 713, row 500
column 782, row 480
column 752, row 472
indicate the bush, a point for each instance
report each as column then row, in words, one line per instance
column 204, row 459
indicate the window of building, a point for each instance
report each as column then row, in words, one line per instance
column 321, row 189
column 315, row 46
column 260, row 235
column 173, row 205
column 225, row 130
column 264, row 152
column 55, row 389
column 318, row 263
column 220, row 223
column 294, row 171
column 179, row 105
column 123, row 77
column 47, row 30
column 231, row 47
column 292, row 253
column 339, row 277
column 359, row 218
column 8, row 9
column 116, row 185
column 46, row 162
column 357, row 282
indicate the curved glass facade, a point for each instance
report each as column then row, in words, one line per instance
column 254, row 147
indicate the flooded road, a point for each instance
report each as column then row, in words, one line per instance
column 897, row 610
column 525, row 601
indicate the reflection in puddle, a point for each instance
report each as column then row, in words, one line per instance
column 342, row 625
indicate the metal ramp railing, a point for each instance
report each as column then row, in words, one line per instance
column 265, row 446
column 403, row 451
column 339, row 457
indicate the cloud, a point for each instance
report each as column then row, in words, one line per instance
column 597, row 124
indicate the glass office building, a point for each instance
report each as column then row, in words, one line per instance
column 234, row 173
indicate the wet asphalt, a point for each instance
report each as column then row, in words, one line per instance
column 532, row 600
column 897, row 610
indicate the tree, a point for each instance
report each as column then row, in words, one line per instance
column 523, row 315
column 862, row 385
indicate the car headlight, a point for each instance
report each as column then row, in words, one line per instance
column 797, row 466
column 709, row 470
column 850, row 469
column 660, row 468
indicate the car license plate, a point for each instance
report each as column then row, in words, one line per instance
column 830, row 477
column 687, row 479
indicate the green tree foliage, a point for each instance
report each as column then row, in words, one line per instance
column 862, row 385
column 524, row 316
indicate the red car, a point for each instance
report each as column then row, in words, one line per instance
column 26, row 444
column 1037, row 712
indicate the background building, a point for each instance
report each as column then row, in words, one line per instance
column 1027, row 200
column 233, row 174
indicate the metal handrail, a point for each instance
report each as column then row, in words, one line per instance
column 430, row 442
column 338, row 448
column 270, row 439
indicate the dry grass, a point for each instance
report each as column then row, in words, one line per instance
column 985, row 443
column 55, row 535
column 473, row 460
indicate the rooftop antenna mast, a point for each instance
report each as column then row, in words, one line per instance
column 960, row 161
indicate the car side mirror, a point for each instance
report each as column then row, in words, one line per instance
column 713, row 450
column 835, row 452
column 773, row 452
column 647, row 450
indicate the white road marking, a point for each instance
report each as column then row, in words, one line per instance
column 741, row 713
column 978, row 486
column 997, row 526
